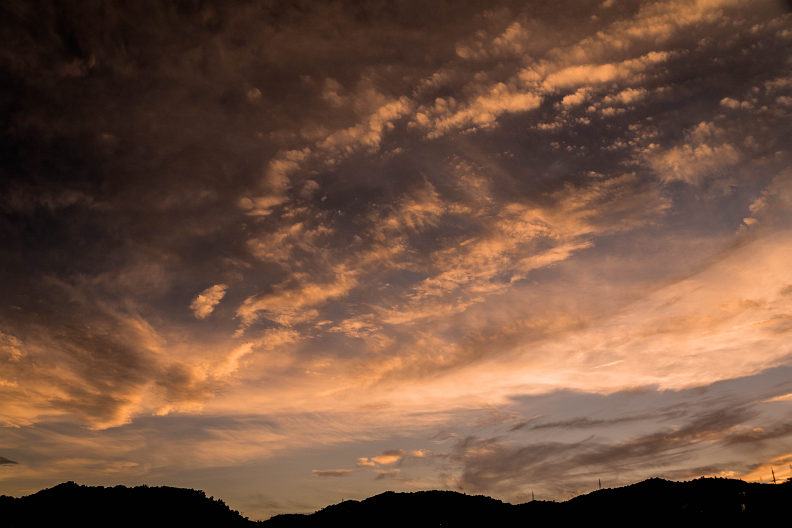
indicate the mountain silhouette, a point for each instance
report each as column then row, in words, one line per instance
column 69, row 504
column 653, row 502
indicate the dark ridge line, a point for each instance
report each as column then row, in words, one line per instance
column 652, row 502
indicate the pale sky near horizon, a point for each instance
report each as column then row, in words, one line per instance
column 293, row 252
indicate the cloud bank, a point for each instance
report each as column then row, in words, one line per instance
column 417, row 242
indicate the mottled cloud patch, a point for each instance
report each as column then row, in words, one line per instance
column 447, row 115
column 204, row 303
column 704, row 154
column 11, row 347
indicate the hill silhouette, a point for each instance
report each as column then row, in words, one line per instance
column 70, row 504
column 653, row 502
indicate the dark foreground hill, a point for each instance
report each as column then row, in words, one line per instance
column 654, row 502
column 69, row 504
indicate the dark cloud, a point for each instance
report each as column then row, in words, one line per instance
column 4, row 461
column 384, row 474
column 584, row 422
column 629, row 436
column 332, row 472
column 758, row 435
column 181, row 385
column 492, row 464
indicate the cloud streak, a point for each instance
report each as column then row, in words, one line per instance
column 332, row 472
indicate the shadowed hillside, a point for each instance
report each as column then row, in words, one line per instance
column 702, row 501
column 651, row 502
column 69, row 504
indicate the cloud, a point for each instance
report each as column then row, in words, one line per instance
column 594, row 74
column 97, row 374
column 388, row 457
column 261, row 205
column 5, row 461
column 626, row 96
column 369, row 133
column 446, row 116
column 781, row 398
column 366, row 462
column 204, row 303
column 383, row 474
column 773, row 206
column 774, row 470
column 280, row 245
column 755, row 436
column 576, row 98
column 584, row 422
column 289, row 306
column 703, row 155
column 332, row 472
column 491, row 464
column 728, row 102
column 11, row 347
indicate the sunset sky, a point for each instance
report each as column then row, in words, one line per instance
column 290, row 252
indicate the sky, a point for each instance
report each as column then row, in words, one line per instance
column 294, row 252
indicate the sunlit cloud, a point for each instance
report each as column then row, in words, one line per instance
column 204, row 303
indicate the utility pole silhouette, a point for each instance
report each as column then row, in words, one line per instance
column 532, row 496
column 599, row 483
column 773, row 472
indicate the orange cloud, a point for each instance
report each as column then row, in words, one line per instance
column 704, row 154
column 204, row 303
column 781, row 466
column 388, row 457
